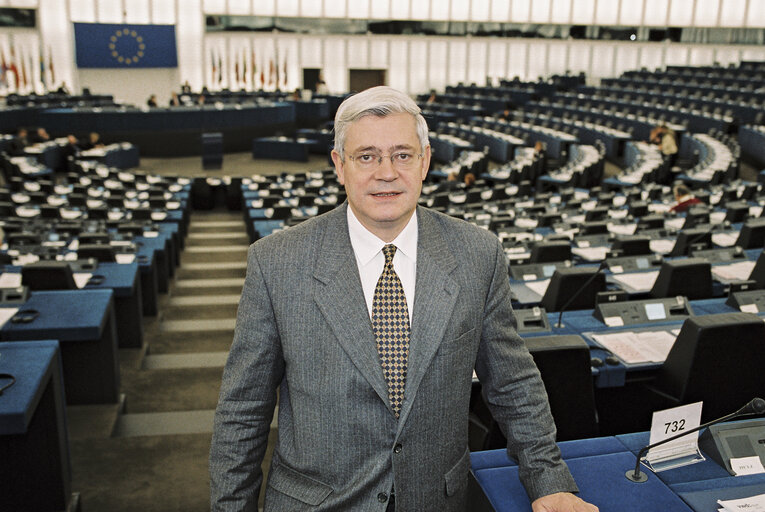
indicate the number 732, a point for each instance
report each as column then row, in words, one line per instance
column 674, row 426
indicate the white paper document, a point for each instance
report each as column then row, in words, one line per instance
column 636, row 347
column 539, row 287
column 752, row 504
column 746, row 465
column 10, row 280
column 739, row 271
column 81, row 279
column 662, row 246
column 724, row 239
column 591, row 253
column 670, row 423
column 634, row 282
column 6, row 314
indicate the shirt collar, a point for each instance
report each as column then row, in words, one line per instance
column 366, row 244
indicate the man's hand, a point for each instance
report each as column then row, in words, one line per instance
column 562, row 502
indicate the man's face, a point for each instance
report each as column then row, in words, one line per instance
column 382, row 197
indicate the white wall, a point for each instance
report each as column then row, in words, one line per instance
column 414, row 63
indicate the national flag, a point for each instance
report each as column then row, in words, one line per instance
column 271, row 72
column 214, row 65
column 285, row 72
column 121, row 45
column 253, row 69
column 13, row 68
column 50, row 66
column 3, row 70
column 43, row 70
column 236, row 68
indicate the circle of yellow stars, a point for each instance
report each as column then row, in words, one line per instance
column 132, row 59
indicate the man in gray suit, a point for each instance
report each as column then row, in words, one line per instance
column 373, row 406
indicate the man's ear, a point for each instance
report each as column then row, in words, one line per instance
column 339, row 170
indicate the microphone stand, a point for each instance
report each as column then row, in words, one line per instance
column 755, row 406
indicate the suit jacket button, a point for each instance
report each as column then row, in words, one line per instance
column 397, row 448
column 382, row 497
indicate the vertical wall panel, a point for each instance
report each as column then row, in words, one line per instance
column 680, row 13
column 497, row 59
column 263, row 7
column 163, row 11
column 109, row 11
column 457, row 58
column 607, row 12
column 627, row 56
column 310, row 8
column 726, row 55
column 676, row 55
column 334, row 9
column 631, row 13
column 579, row 57
column 460, row 9
column 477, row 53
column 310, row 52
column 335, row 70
column 399, row 66
column 537, row 64
column 481, row 10
column 239, row 7
column 520, row 11
column 293, row 78
column 137, row 11
column 437, row 64
column 189, row 36
column 58, row 42
column 540, row 11
column 755, row 17
column 358, row 9
column 418, row 72
column 290, row 7
column 706, row 13
column 602, row 60
column 378, row 53
column 702, row 55
column 517, row 58
column 733, row 13
column 380, row 9
column 500, row 10
column 557, row 58
column 652, row 56
column 358, row 52
column 83, row 11
column 420, row 10
column 656, row 12
column 399, row 9
column 583, row 12
column 753, row 53
column 439, row 10
column 218, row 6
column 561, row 11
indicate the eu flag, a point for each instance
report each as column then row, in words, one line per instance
column 102, row 45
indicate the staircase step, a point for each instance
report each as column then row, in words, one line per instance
column 213, row 254
column 212, row 270
column 165, row 423
column 216, row 239
column 201, row 307
column 222, row 226
column 228, row 286
column 188, row 360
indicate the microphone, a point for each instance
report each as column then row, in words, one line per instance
column 755, row 406
column 576, row 294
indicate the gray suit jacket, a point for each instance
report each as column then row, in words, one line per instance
column 303, row 327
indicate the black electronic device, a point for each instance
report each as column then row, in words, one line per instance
column 531, row 320
column 695, row 239
column 621, row 264
column 574, row 288
column 721, row 255
column 15, row 295
column 749, row 301
column 755, row 406
column 752, row 234
column 643, row 311
column 534, row 271
column 691, row 277
column 734, row 440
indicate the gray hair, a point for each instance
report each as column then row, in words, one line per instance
column 378, row 101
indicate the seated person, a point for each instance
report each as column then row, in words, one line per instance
column 684, row 199
column 39, row 135
column 152, row 101
column 186, row 88
column 175, row 101
column 19, row 142
column 94, row 141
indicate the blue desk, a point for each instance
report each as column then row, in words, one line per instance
column 598, row 466
column 35, row 473
column 83, row 321
column 282, row 148
column 123, row 279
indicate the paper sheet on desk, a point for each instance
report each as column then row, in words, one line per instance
column 6, row 314
column 662, row 246
column 539, row 287
column 10, row 280
column 724, row 239
column 124, row 258
column 81, row 279
column 634, row 282
column 751, row 504
column 638, row 347
column 739, row 271
column 591, row 253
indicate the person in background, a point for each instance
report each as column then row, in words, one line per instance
column 152, row 101
column 369, row 320
column 186, row 88
column 94, row 141
column 684, row 198
column 175, row 101
column 19, row 142
column 432, row 98
column 39, row 135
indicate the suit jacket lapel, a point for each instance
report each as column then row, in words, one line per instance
column 434, row 299
column 341, row 301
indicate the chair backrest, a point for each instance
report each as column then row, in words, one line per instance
column 752, row 234
column 565, row 282
column 102, row 253
column 632, row 245
column 564, row 363
column 758, row 272
column 687, row 238
column 48, row 275
column 689, row 277
column 94, row 238
column 717, row 359
column 543, row 252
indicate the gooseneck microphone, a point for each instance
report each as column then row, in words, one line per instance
column 576, row 294
column 755, row 406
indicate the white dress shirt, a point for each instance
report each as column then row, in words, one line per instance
column 370, row 259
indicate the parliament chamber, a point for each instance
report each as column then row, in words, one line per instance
column 636, row 265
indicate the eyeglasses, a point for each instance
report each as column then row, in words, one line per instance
column 401, row 160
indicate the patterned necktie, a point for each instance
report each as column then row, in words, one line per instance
column 390, row 322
